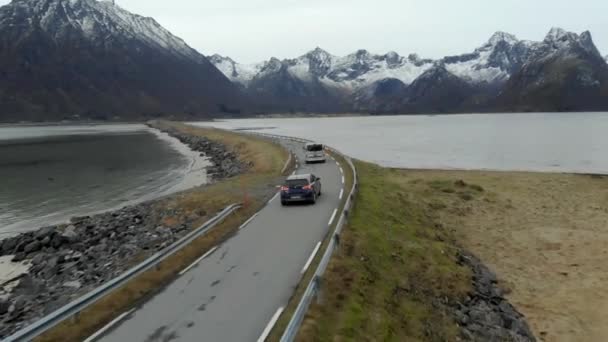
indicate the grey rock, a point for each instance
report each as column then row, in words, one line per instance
column 489, row 316
column 29, row 285
column 8, row 246
column 45, row 241
column 32, row 247
column 39, row 259
column 70, row 233
column 4, row 306
column 44, row 232
column 19, row 257
column 75, row 284
column 58, row 241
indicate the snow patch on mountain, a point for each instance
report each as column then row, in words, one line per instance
column 350, row 72
column 363, row 68
column 489, row 63
column 96, row 20
column 238, row 73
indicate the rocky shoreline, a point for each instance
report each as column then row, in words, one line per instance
column 226, row 163
column 69, row 260
column 486, row 315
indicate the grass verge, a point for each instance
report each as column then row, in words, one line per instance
column 396, row 270
column 252, row 188
column 281, row 324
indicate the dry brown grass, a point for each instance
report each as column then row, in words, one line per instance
column 545, row 235
column 253, row 188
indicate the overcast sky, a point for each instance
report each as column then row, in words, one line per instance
column 255, row 30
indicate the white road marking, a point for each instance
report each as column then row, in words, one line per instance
column 271, row 324
column 333, row 216
column 197, row 261
column 294, row 172
column 249, row 221
column 341, row 193
column 312, row 256
column 108, row 326
column 337, row 163
column 342, row 179
column 341, row 171
column 272, row 199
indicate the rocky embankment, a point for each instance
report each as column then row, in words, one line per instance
column 486, row 315
column 225, row 163
column 69, row 260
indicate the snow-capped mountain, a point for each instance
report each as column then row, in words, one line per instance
column 564, row 72
column 94, row 58
column 495, row 61
column 393, row 83
column 351, row 72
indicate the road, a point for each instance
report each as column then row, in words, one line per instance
column 238, row 289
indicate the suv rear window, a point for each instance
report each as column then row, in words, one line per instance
column 297, row 183
column 314, row 148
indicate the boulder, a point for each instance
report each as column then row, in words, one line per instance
column 32, row 247
column 70, row 233
column 44, row 232
column 19, row 257
column 46, row 241
column 4, row 306
column 39, row 259
column 8, row 245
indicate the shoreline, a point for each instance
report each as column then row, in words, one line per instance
column 193, row 174
column 58, row 263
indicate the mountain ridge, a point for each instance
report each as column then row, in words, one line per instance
column 76, row 59
column 362, row 78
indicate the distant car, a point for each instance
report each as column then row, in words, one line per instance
column 301, row 188
column 315, row 153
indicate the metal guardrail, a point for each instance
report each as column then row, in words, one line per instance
column 74, row 308
column 314, row 286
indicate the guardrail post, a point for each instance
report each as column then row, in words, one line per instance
column 319, row 293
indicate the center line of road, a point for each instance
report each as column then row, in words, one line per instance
column 333, row 216
column 197, row 261
column 273, row 197
column 108, row 326
column 312, row 256
column 341, row 193
column 271, row 324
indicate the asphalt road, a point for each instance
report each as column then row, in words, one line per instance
column 238, row 289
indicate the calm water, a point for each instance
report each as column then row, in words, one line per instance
column 556, row 142
column 52, row 173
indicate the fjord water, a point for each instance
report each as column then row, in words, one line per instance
column 546, row 142
column 52, row 173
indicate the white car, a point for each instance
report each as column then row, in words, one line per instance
column 315, row 153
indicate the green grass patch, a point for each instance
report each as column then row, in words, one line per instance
column 396, row 272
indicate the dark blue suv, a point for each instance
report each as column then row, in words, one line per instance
column 301, row 188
